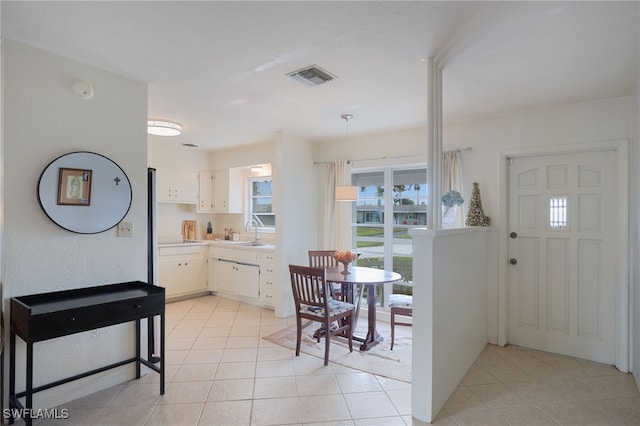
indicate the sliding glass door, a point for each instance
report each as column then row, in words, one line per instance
column 390, row 202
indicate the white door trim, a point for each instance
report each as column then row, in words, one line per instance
column 621, row 146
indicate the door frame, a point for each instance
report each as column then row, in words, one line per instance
column 621, row 147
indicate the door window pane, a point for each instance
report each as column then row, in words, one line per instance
column 558, row 212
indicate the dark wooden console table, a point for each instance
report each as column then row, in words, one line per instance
column 39, row 317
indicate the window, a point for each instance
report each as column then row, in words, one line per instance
column 260, row 203
column 390, row 202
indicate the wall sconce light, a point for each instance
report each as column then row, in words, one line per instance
column 163, row 128
column 346, row 193
column 256, row 169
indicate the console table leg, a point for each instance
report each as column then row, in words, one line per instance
column 162, row 353
column 138, row 324
column 12, row 371
column 29, row 387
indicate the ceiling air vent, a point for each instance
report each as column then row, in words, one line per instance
column 312, row 75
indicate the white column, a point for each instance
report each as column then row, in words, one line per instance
column 434, row 144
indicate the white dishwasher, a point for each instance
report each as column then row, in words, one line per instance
column 239, row 278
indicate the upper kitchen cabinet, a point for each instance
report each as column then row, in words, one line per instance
column 205, row 192
column 227, row 191
column 177, row 185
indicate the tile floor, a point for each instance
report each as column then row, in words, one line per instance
column 221, row 372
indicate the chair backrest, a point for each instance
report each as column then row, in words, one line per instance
column 322, row 258
column 308, row 285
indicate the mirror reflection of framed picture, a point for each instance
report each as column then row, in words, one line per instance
column 74, row 187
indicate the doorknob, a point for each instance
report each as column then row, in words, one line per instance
column 513, row 235
column 513, row 261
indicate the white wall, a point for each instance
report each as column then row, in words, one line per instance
column 293, row 175
column 577, row 123
column 450, row 313
column 635, row 243
column 42, row 120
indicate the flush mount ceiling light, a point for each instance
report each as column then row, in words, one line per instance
column 163, row 128
column 312, row 75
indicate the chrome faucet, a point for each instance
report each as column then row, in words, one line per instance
column 255, row 222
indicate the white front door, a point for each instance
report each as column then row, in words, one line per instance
column 562, row 249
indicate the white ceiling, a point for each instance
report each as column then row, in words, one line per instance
column 219, row 67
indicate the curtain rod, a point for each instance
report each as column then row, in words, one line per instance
column 392, row 157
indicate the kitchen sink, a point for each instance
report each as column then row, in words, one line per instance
column 242, row 243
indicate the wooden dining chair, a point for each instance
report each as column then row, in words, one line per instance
column 325, row 259
column 400, row 305
column 309, row 287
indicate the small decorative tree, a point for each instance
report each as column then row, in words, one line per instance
column 475, row 214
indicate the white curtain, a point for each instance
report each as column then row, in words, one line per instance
column 337, row 215
column 452, row 177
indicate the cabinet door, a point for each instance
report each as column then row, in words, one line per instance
column 194, row 275
column 213, row 274
column 169, row 276
column 182, row 275
column 221, row 191
column 205, row 192
column 228, row 191
column 177, row 185
column 238, row 279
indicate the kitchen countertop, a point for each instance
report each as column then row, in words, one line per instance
column 242, row 245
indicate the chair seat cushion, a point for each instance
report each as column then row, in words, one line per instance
column 400, row 301
column 336, row 307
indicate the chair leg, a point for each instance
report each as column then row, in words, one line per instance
column 350, row 331
column 327, row 342
column 393, row 327
column 298, row 335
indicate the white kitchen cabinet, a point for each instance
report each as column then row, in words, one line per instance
column 176, row 185
column 238, row 278
column 267, row 279
column 205, row 192
column 227, row 191
column 182, row 270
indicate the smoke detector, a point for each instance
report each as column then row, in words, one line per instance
column 312, row 75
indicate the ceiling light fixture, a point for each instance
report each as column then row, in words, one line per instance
column 346, row 192
column 163, row 128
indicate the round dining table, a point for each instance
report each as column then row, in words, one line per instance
column 357, row 279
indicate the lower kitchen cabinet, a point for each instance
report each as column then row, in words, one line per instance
column 238, row 278
column 267, row 279
column 182, row 271
column 242, row 274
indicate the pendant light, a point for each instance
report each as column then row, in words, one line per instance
column 346, row 192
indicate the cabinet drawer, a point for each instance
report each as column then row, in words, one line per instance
column 63, row 323
column 268, row 258
column 238, row 255
column 134, row 309
column 187, row 249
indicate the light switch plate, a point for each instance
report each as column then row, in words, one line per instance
column 125, row 229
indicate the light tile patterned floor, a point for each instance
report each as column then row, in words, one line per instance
column 221, row 372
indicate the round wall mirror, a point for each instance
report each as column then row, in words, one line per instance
column 84, row 192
